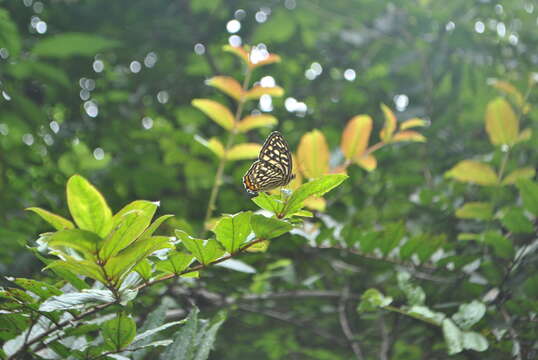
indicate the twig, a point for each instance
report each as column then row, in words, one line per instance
column 344, row 324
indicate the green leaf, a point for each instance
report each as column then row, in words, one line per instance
column 58, row 222
column 154, row 226
column 153, row 320
column 205, row 345
column 316, row 187
column 475, row 210
column 77, row 300
column 72, row 44
column 205, row 251
column 523, row 173
column 501, row 245
column 528, row 190
column 474, row 341
column 268, row 228
column 88, row 243
column 175, row 263
column 424, row 313
column 502, row 124
column 148, row 334
column 470, row 171
column 127, row 225
column 232, row 231
column 453, row 337
column 119, row 332
column 12, row 325
column 514, row 219
column 40, row 288
column 269, row 202
column 280, row 27
column 117, row 267
column 144, row 269
column 392, row 235
column 414, row 294
column 373, row 299
column 9, row 34
column 87, row 206
column 469, row 314
column 79, row 267
column 183, row 346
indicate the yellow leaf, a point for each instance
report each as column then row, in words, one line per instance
column 470, row 171
column 313, row 154
column 257, row 91
column 523, row 173
column 525, row 135
column 227, row 85
column 316, row 203
column 259, row 247
column 368, row 162
column 408, row 135
column 390, row 123
column 256, row 121
column 502, row 124
column 216, row 111
column 216, row 146
column 356, row 136
column 244, row 151
column 414, row 122
column 240, row 52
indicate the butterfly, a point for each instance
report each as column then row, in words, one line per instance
column 273, row 167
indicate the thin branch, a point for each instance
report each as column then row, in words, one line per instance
column 344, row 324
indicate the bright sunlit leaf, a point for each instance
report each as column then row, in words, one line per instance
column 523, row 173
column 414, row 122
column 216, row 146
column 502, row 124
column 256, row 121
column 240, row 52
column 368, row 162
column 356, row 136
column 408, row 135
column 475, row 210
column 313, row 154
column 227, row 85
column 57, row 221
column 244, row 151
column 257, row 91
column 470, row 171
column 390, row 123
column 216, row 112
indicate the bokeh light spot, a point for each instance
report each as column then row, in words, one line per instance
column 163, row 96
column 98, row 153
column 199, row 49
column 147, row 122
column 235, row 40
column 135, row 67
column 28, row 139
column 350, row 74
column 233, row 26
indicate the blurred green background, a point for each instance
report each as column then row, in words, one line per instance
column 103, row 89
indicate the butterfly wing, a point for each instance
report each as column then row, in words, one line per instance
column 273, row 167
column 276, row 151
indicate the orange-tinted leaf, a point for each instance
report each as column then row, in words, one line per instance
column 470, row 171
column 216, row 111
column 257, row 91
column 313, row 154
column 240, row 52
column 227, row 85
column 502, row 123
column 256, row 121
column 414, row 122
column 356, row 136
column 390, row 123
column 523, row 173
column 408, row 135
column 244, row 151
column 342, row 169
column 315, row 203
column 368, row 162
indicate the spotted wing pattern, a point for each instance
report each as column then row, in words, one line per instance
column 273, row 167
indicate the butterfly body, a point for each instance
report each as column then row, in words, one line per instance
column 273, row 167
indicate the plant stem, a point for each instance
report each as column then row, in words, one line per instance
column 220, row 170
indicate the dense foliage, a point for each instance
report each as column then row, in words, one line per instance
column 417, row 116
